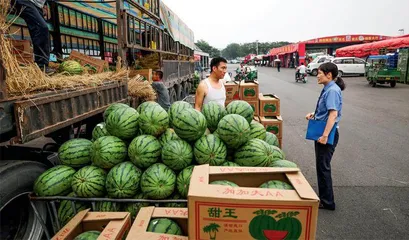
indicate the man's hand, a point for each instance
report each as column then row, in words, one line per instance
column 309, row 116
column 323, row 140
column 45, row 10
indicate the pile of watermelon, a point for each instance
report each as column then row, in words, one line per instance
column 149, row 153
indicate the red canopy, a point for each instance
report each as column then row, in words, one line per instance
column 284, row 49
column 367, row 49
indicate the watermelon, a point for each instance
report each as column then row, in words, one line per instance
column 158, row 181
column 70, row 67
column 66, row 212
column 255, row 153
column 89, row 181
column 113, row 107
column 164, row 225
column 89, row 235
column 283, row 164
column 146, row 105
column 153, row 120
column 234, row 130
column 241, row 108
column 216, row 133
column 224, row 183
column 183, row 181
column 75, row 153
column 272, row 139
column 207, row 132
column 144, row 151
column 257, row 130
column 100, row 130
column 176, row 205
column 213, row 113
column 123, row 180
column 230, row 164
column 107, row 207
column 123, row 123
column 168, row 135
column 177, row 154
column 56, row 181
column 278, row 154
column 134, row 208
column 210, row 150
column 189, row 124
column 108, row 151
column 176, row 108
column 276, row 184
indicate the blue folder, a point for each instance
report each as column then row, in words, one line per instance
column 316, row 129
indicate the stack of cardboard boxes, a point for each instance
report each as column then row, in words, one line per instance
column 23, row 51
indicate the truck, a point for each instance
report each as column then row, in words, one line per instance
column 50, row 118
column 381, row 69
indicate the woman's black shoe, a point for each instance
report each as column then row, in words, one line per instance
column 322, row 206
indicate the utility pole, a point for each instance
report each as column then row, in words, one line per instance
column 257, row 47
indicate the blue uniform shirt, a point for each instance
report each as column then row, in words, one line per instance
column 330, row 99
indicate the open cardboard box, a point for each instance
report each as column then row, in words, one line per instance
column 249, row 212
column 112, row 225
column 146, row 214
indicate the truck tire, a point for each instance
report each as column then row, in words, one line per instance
column 186, row 90
column 172, row 95
column 179, row 92
column 18, row 220
column 393, row 84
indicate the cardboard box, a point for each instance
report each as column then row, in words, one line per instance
column 269, row 105
column 147, row 73
column 273, row 125
column 84, row 59
column 113, row 225
column 280, row 141
column 225, row 212
column 22, row 48
column 249, row 91
column 227, row 102
column 257, row 119
column 141, row 223
column 232, row 91
column 255, row 106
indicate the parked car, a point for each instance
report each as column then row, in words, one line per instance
column 313, row 66
column 349, row 65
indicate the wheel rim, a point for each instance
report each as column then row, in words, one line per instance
column 314, row 72
column 340, row 73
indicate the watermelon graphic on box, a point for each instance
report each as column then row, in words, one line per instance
column 273, row 125
column 269, row 105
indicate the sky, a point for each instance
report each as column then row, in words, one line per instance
column 221, row 22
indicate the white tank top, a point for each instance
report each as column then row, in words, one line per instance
column 214, row 94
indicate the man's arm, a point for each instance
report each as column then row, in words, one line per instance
column 200, row 94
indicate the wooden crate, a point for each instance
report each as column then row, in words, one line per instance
column 147, row 73
column 83, row 59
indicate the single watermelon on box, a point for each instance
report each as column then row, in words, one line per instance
column 56, row 181
column 189, row 124
column 257, row 130
column 89, row 182
column 276, row 184
column 183, row 181
column 210, row 150
column 176, row 108
column 255, row 153
column 108, row 151
column 144, row 151
column 164, row 225
column 123, row 123
column 134, row 208
column 224, row 183
column 123, row 180
column 234, row 130
column 167, row 136
column 65, row 211
column 283, row 164
column 177, row 154
column 89, row 235
column 99, row 130
column 153, row 120
column 241, row 108
column 113, row 107
column 75, row 153
column 213, row 113
column 158, row 181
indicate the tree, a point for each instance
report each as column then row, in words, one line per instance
column 232, row 51
column 207, row 48
column 212, row 229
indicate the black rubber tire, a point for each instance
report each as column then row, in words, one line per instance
column 17, row 179
column 172, row 95
column 185, row 88
column 340, row 73
column 179, row 92
column 314, row 72
column 393, row 84
column 373, row 83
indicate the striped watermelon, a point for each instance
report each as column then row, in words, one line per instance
column 158, row 181
column 210, row 150
column 114, row 107
column 234, row 130
column 257, row 130
column 56, row 181
column 164, row 225
column 89, row 235
column 65, row 211
column 189, row 124
column 144, row 151
column 255, row 153
column 230, row 164
column 123, row 123
column 177, row 154
column 75, row 153
column 278, row 154
column 276, row 184
column 213, row 113
column 283, row 164
column 272, row 139
column 89, row 181
column 176, row 108
column 146, row 105
column 134, row 208
column 108, row 151
column 153, row 120
column 123, row 180
column 183, row 181
column 168, row 135
column 216, row 133
column 176, row 196
column 107, row 207
column 224, row 183
column 100, row 130
column 241, row 108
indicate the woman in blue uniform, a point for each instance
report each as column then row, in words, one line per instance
column 329, row 108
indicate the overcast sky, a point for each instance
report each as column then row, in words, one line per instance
column 221, row 22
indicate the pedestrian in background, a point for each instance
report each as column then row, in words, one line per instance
column 161, row 91
column 328, row 109
column 278, row 65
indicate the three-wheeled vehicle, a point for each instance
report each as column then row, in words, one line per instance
column 382, row 69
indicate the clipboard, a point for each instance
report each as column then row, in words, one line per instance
column 316, row 128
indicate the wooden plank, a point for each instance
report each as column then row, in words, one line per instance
column 84, row 59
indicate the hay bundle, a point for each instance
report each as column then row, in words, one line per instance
column 150, row 61
column 139, row 88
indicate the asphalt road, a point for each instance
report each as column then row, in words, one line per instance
column 370, row 167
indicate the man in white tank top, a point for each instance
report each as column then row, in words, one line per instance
column 212, row 88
